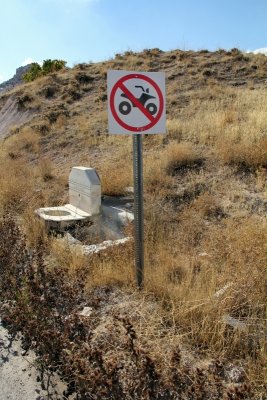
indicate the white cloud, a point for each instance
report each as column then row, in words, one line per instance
column 27, row 61
column 1, row 78
column 263, row 50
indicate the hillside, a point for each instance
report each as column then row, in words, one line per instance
column 198, row 330
column 67, row 95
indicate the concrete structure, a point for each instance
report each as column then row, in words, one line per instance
column 92, row 221
column 117, row 209
column 84, row 200
column 109, row 225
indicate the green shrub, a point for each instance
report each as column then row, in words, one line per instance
column 48, row 66
column 53, row 65
column 34, row 72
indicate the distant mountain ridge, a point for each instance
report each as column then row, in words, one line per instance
column 17, row 78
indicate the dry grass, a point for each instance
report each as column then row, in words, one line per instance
column 116, row 171
column 17, row 185
column 111, row 268
column 160, row 167
column 178, row 156
column 186, row 265
column 64, row 256
column 115, row 179
column 27, row 141
column 45, row 169
column 252, row 155
column 34, row 228
column 222, row 115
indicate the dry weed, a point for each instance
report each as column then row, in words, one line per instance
column 116, row 171
column 27, row 140
column 251, row 156
column 67, row 257
column 45, row 168
column 112, row 267
column 34, row 228
column 17, row 185
column 177, row 157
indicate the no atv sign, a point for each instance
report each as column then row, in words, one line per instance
column 136, row 102
column 136, row 105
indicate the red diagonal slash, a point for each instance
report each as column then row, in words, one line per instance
column 136, row 102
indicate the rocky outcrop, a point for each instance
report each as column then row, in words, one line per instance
column 16, row 80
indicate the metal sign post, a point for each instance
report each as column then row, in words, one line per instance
column 136, row 105
column 138, row 208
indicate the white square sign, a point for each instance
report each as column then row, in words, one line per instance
column 136, row 102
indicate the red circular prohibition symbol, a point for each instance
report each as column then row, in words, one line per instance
column 119, row 85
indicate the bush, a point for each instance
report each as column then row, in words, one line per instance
column 48, row 66
column 34, row 73
column 53, row 65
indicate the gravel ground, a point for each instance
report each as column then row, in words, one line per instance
column 19, row 375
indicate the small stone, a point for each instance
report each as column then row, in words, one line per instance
column 86, row 312
column 129, row 189
column 235, row 374
column 204, row 254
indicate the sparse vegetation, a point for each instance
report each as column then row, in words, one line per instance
column 205, row 227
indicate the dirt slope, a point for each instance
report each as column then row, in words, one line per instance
column 12, row 116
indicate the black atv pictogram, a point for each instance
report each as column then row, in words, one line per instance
column 125, row 107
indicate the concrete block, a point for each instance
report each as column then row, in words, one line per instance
column 85, row 190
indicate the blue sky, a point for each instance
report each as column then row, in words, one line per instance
column 93, row 30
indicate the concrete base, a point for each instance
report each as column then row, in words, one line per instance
column 119, row 209
column 116, row 213
column 62, row 216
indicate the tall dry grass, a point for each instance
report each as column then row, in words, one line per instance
column 116, row 169
column 221, row 115
column 248, row 155
column 161, row 167
column 27, row 141
column 16, row 183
